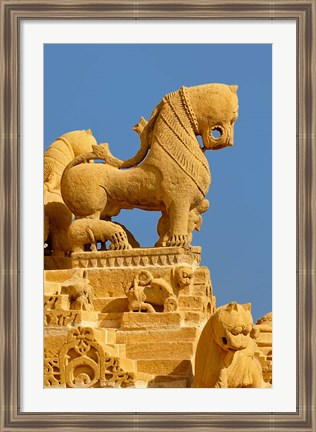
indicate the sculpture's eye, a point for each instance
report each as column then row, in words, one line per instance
column 237, row 330
column 216, row 132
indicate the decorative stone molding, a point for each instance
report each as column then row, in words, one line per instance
column 145, row 257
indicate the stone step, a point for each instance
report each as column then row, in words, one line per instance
column 195, row 319
column 143, row 321
column 266, row 350
column 110, row 336
column 170, row 381
column 155, row 336
column 110, row 305
column 160, row 350
column 262, row 343
column 265, row 338
column 264, row 328
column 202, row 275
column 190, row 302
column 110, row 320
column 181, row 368
column 143, row 380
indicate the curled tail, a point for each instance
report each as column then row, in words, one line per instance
column 103, row 152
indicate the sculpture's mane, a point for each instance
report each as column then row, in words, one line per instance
column 56, row 158
column 175, row 133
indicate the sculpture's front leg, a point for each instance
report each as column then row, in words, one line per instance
column 222, row 379
column 179, row 217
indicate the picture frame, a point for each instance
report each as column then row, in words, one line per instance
column 12, row 12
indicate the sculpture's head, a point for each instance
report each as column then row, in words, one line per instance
column 183, row 276
column 216, row 109
column 77, row 285
column 195, row 218
column 81, row 141
column 232, row 326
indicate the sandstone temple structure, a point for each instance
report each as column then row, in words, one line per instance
column 120, row 315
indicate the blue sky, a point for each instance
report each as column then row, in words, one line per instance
column 108, row 87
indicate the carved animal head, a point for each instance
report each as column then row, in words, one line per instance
column 81, row 141
column 216, row 110
column 195, row 218
column 183, row 276
column 135, row 292
column 232, row 326
column 77, row 285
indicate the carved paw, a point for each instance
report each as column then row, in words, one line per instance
column 119, row 241
column 178, row 240
column 120, row 246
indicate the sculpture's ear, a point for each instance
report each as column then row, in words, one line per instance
column 247, row 307
column 234, row 88
column 232, row 306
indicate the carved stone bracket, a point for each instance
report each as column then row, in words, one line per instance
column 84, row 363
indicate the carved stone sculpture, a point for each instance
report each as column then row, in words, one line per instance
column 119, row 315
column 137, row 298
column 147, row 291
column 84, row 363
column 194, row 223
column 174, row 177
column 91, row 231
column 57, row 216
column 183, row 276
column 79, row 290
column 226, row 352
column 264, row 342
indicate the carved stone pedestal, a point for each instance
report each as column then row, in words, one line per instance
column 125, row 318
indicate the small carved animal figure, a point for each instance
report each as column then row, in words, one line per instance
column 79, row 290
column 194, row 223
column 173, row 176
column 92, row 231
column 147, row 291
column 183, row 276
column 137, row 299
column 226, row 351
column 158, row 291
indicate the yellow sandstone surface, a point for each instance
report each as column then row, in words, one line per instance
column 117, row 314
